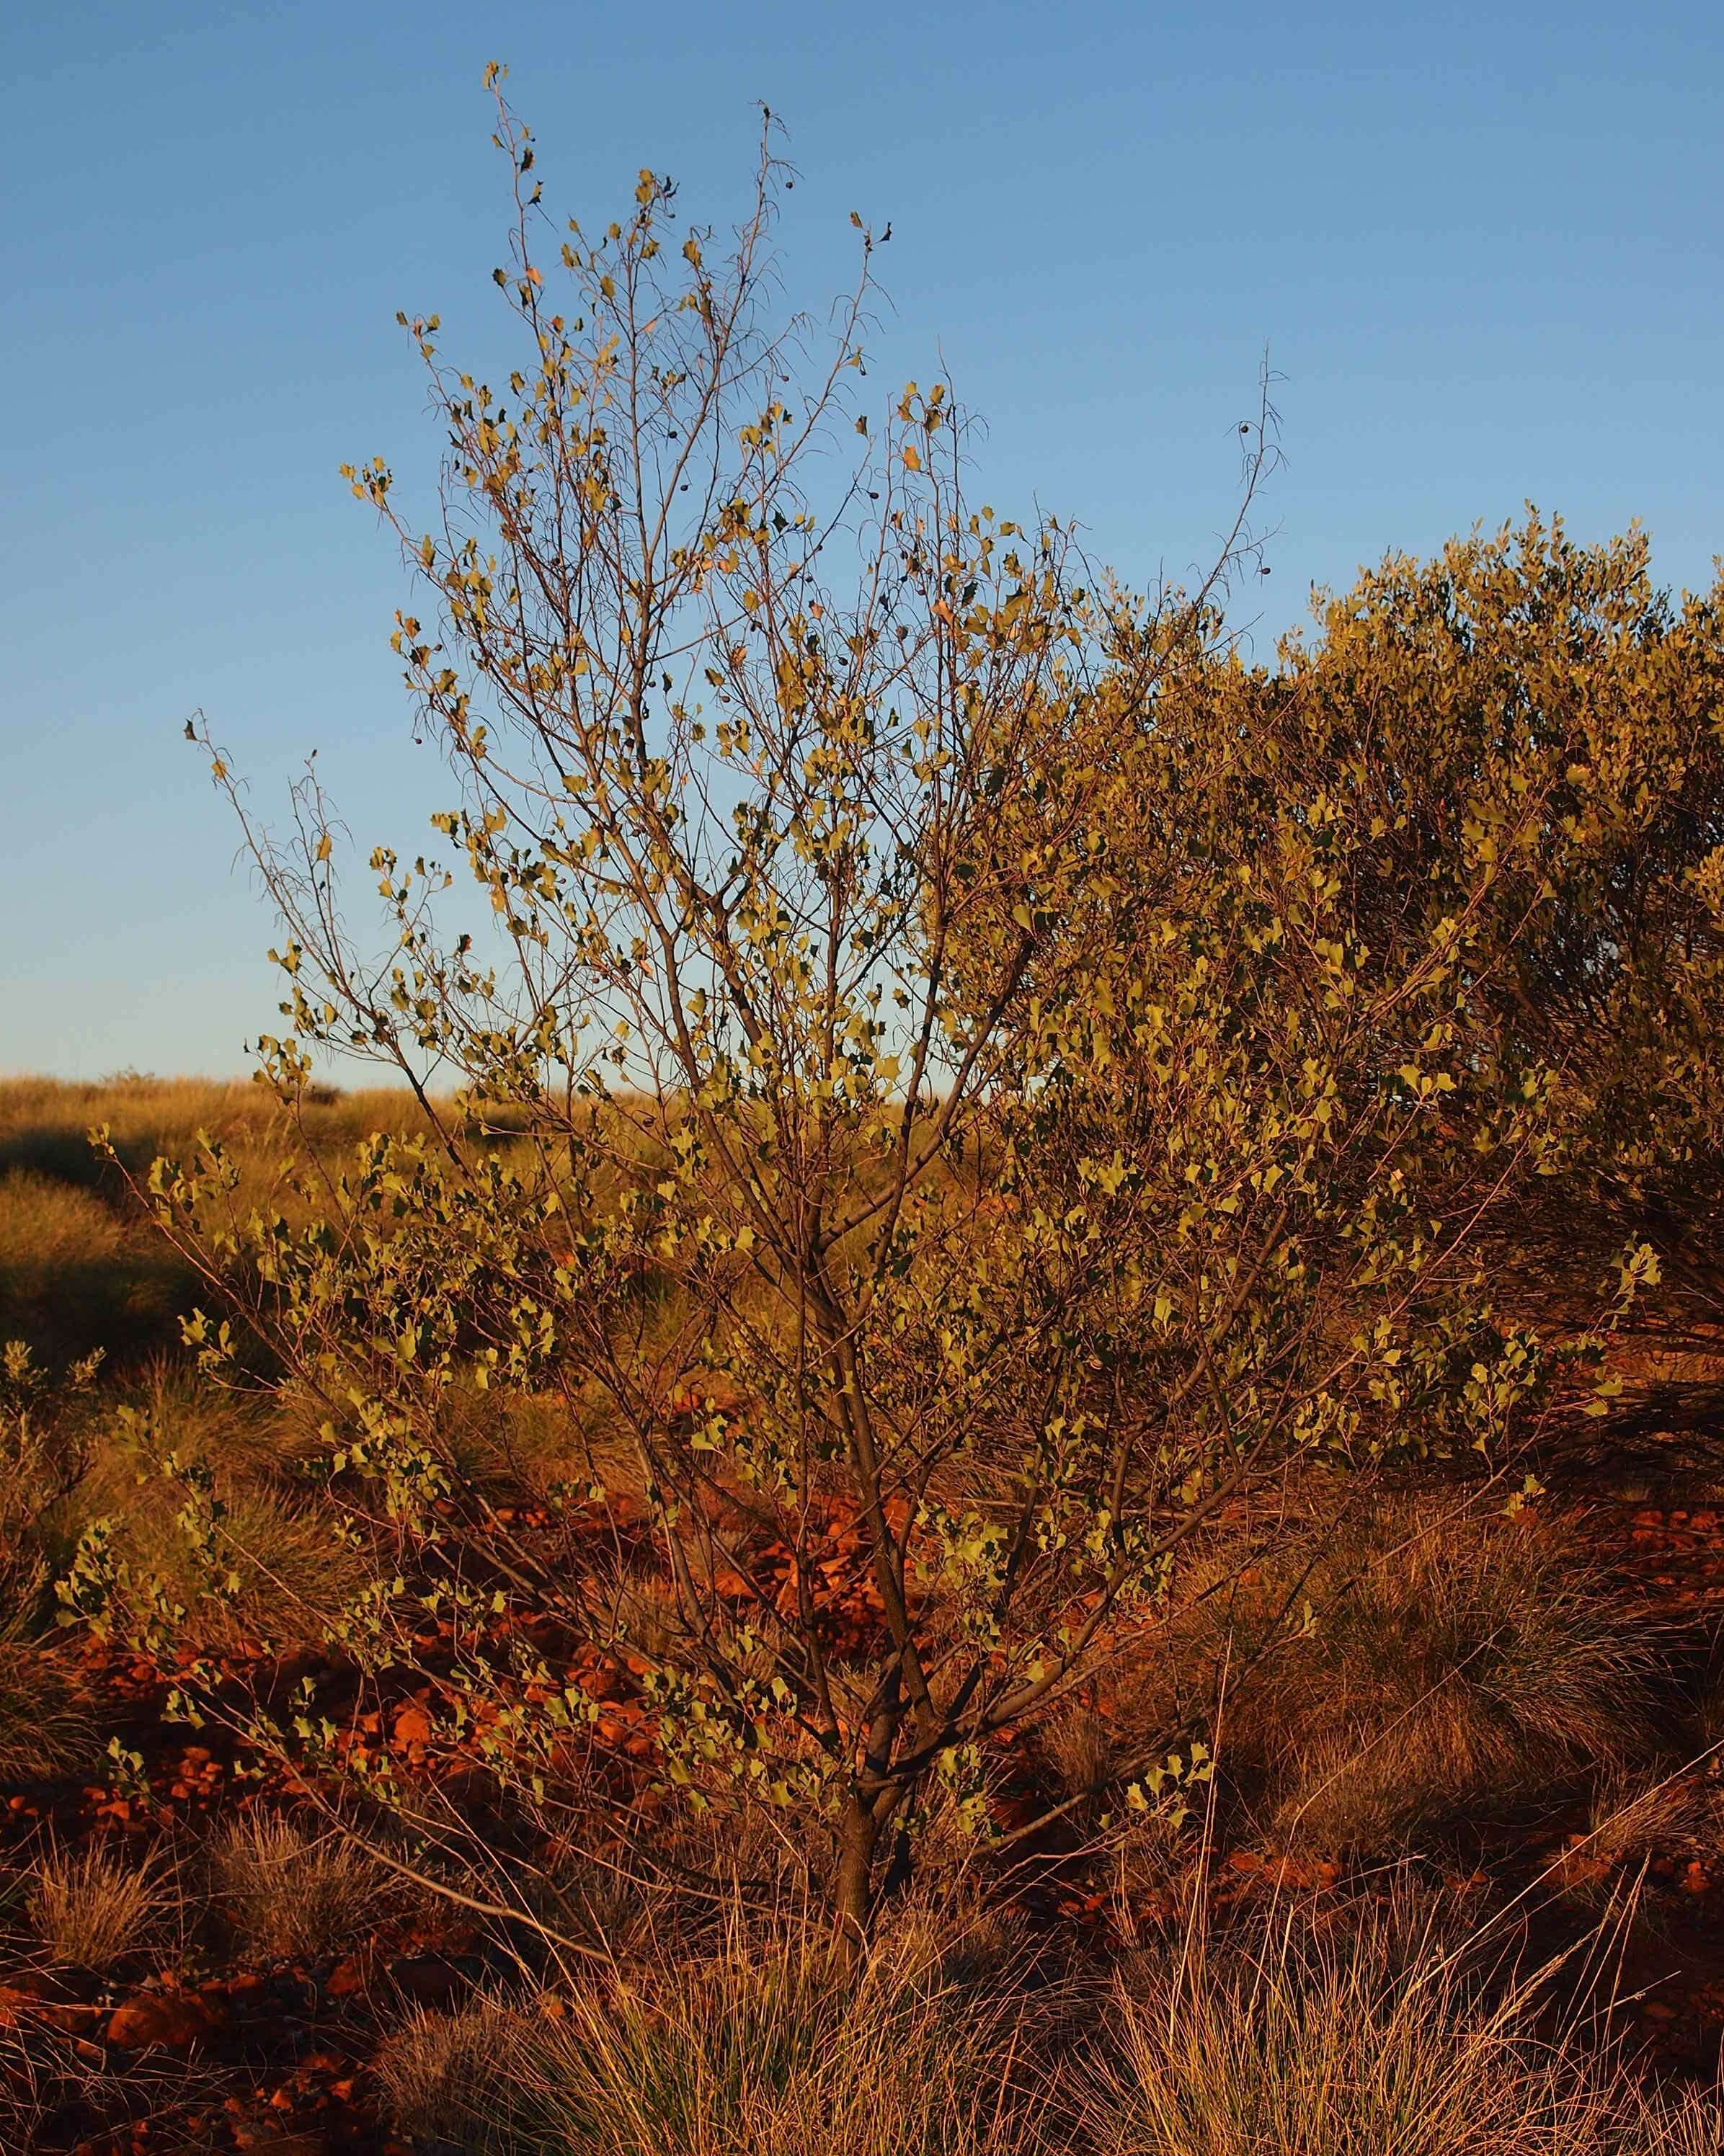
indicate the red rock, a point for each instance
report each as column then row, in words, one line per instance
column 26, row 1986
column 32, row 1996
column 413, row 1726
column 350, row 1976
column 168, row 2019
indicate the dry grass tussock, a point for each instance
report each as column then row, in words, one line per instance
column 94, row 1907
column 47, row 1724
column 1383, row 2038
column 283, row 1576
column 1635, row 1814
column 266, row 1565
column 1369, row 1682
column 1378, row 2034
column 291, row 1895
column 37, row 2092
column 756, row 2051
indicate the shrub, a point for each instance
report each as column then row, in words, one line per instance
column 1516, row 738
column 949, row 1170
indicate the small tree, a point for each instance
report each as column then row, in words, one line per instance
column 743, row 689
column 944, row 1229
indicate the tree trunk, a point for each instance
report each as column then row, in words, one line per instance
column 858, row 1838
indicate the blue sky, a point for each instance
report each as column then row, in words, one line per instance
column 1482, row 244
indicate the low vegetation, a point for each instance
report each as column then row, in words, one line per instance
column 1373, row 1681
column 761, row 2047
column 95, row 1908
column 1388, row 2040
column 290, row 1894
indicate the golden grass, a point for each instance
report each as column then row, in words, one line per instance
column 758, row 2051
column 94, row 1907
column 44, row 1122
column 47, row 1726
column 1368, row 1683
column 74, row 1276
column 1382, row 2038
column 81, row 1265
column 293, row 1896
column 1688, row 2124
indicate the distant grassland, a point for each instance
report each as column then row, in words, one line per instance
column 45, row 1123
column 80, row 1268
column 83, row 1269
